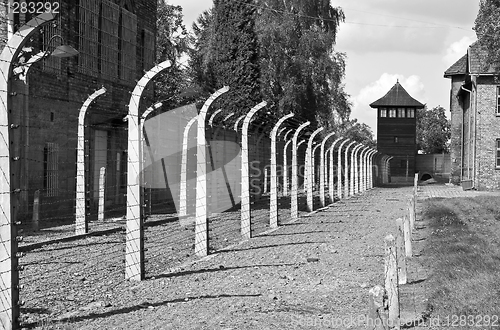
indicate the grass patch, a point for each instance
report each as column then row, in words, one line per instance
column 465, row 261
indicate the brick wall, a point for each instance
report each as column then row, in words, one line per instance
column 488, row 130
column 456, row 129
column 52, row 107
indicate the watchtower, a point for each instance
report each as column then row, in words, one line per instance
column 397, row 130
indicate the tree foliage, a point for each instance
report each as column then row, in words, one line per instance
column 359, row 132
column 301, row 72
column 488, row 30
column 172, row 45
column 281, row 51
column 226, row 53
column 433, row 130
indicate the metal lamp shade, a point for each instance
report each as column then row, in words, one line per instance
column 64, row 51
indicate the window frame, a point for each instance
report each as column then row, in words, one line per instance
column 498, row 101
column 392, row 113
column 401, row 113
column 383, row 112
column 497, row 154
column 410, row 113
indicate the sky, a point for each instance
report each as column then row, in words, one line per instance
column 389, row 40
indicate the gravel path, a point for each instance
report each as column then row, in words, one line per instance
column 307, row 274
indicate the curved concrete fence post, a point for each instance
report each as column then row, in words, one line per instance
column 134, row 245
column 201, row 217
column 81, row 224
column 273, row 203
column 354, row 172
column 10, row 183
column 246, row 230
column 331, row 179
column 294, row 207
column 309, row 170
column 184, row 157
column 285, row 163
column 322, row 169
column 347, row 170
column 340, row 170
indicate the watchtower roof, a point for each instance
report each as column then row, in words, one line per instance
column 397, row 96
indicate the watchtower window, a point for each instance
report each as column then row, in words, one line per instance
column 392, row 112
column 411, row 113
column 401, row 112
column 383, row 112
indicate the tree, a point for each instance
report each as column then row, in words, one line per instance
column 359, row 132
column 433, row 130
column 301, row 72
column 172, row 45
column 225, row 52
column 488, row 30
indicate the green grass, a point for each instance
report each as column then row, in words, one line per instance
column 465, row 259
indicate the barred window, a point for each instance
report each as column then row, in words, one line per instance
column 498, row 154
column 148, row 49
column 127, row 54
column 51, row 169
column 110, row 20
column 51, row 63
column 498, row 100
column 383, row 112
column 88, row 37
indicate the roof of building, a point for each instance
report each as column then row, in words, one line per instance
column 397, row 96
column 473, row 62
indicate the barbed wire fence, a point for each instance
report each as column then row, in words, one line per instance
column 120, row 196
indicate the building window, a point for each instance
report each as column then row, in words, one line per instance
column 401, row 112
column 51, row 169
column 52, row 63
column 148, row 49
column 498, row 154
column 383, row 112
column 88, row 39
column 498, row 100
column 411, row 113
column 396, row 139
column 392, row 112
column 128, row 43
column 110, row 19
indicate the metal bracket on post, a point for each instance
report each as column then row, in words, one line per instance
column 201, row 221
column 81, row 225
column 10, row 184
column 273, row 203
column 246, row 230
column 294, row 190
column 134, row 245
column 309, row 170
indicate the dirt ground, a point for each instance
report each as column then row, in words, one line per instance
column 311, row 273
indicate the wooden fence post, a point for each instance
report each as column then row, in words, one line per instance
column 391, row 281
column 407, row 236
column 400, row 245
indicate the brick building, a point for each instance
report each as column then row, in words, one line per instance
column 115, row 40
column 397, row 131
column 475, row 121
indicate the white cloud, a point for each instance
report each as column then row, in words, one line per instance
column 375, row 90
column 456, row 50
